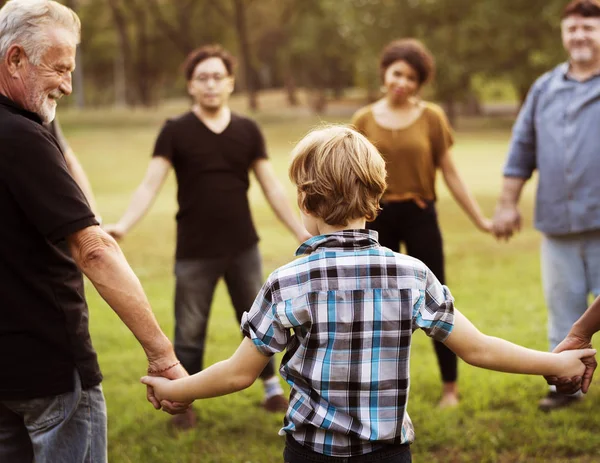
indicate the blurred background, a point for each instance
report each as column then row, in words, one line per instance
column 487, row 51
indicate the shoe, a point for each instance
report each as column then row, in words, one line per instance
column 275, row 403
column 554, row 401
column 184, row 421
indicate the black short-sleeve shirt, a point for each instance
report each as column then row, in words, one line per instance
column 212, row 171
column 44, row 333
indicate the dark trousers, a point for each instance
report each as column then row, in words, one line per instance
column 405, row 222
column 297, row 453
column 194, row 289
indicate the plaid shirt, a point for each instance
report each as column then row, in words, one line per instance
column 345, row 314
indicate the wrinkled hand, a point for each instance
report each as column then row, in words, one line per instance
column 572, row 385
column 174, row 408
column 114, row 230
column 507, row 221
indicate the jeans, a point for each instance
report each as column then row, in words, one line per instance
column 570, row 273
column 418, row 229
column 67, row 428
column 296, row 453
column 194, row 289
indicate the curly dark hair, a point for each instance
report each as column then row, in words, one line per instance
column 204, row 53
column 585, row 8
column 414, row 53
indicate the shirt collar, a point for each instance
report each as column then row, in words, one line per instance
column 345, row 240
column 15, row 108
column 564, row 69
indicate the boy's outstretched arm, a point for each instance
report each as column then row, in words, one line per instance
column 497, row 354
column 234, row 374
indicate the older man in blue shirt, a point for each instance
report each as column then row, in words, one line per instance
column 558, row 133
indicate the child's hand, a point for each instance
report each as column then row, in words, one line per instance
column 160, row 385
column 570, row 363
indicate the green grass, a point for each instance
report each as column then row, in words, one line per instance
column 496, row 285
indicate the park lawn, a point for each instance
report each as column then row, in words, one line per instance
column 496, row 285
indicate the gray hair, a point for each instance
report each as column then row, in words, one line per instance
column 24, row 22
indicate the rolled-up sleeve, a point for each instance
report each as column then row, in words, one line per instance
column 522, row 157
column 434, row 311
column 262, row 326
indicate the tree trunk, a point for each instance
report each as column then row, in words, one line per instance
column 451, row 111
column 241, row 28
column 290, row 88
column 78, row 90
column 123, row 61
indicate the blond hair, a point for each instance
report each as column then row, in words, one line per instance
column 26, row 22
column 339, row 174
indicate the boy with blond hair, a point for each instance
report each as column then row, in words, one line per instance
column 345, row 313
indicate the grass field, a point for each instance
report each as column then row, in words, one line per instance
column 497, row 285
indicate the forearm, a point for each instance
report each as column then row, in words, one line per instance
column 280, row 204
column 140, row 202
column 81, row 178
column 511, row 191
column 463, row 196
column 231, row 375
column 588, row 323
column 111, row 275
column 217, row 380
column 500, row 355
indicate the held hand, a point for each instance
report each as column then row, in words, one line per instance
column 507, row 221
column 572, row 363
column 115, row 230
column 566, row 385
column 159, row 385
column 485, row 225
column 174, row 372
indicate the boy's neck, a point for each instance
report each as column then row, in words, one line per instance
column 325, row 229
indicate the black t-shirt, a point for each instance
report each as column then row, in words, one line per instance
column 214, row 217
column 43, row 314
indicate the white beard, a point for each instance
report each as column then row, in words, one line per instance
column 47, row 110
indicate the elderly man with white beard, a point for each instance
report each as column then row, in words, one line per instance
column 51, row 404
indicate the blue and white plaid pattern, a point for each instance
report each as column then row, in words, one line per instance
column 345, row 314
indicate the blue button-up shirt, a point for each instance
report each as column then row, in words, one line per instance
column 558, row 133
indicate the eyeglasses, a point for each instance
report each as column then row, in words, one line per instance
column 205, row 78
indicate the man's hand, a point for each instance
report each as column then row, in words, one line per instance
column 572, row 385
column 115, row 230
column 176, row 372
column 507, row 221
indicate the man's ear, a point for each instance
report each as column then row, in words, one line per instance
column 15, row 59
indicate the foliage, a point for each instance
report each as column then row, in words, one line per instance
column 318, row 44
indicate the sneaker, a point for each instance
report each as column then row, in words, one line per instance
column 184, row 421
column 275, row 403
column 554, row 401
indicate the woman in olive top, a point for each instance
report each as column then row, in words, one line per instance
column 415, row 140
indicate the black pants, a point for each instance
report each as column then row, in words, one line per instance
column 195, row 282
column 405, row 222
column 297, row 453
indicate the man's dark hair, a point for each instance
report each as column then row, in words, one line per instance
column 413, row 52
column 203, row 53
column 585, row 8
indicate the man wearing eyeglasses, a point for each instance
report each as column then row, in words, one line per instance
column 212, row 151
